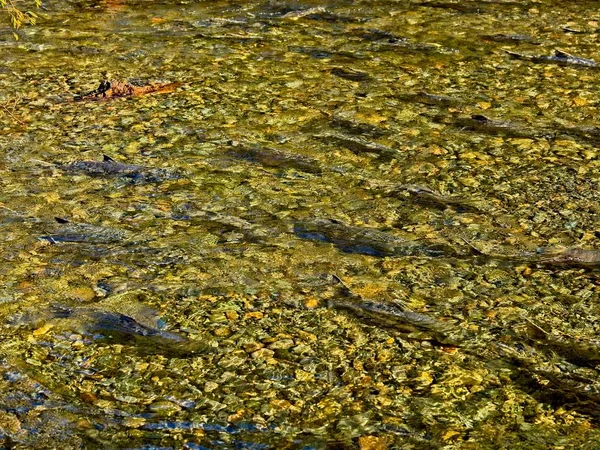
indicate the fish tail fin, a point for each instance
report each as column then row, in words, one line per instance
column 342, row 287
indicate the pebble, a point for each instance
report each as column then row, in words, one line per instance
column 210, row 386
column 263, row 353
column 282, row 344
column 222, row 331
column 164, row 407
column 372, row 443
column 251, row 347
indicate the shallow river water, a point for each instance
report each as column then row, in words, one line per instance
column 347, row 224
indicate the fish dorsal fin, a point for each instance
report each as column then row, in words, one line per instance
column 561, row 54
column 130, row 304
column 343, row 289
column 106, row 158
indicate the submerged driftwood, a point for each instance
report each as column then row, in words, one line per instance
column 110, row 89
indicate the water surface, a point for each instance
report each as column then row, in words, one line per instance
column 289, row 116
